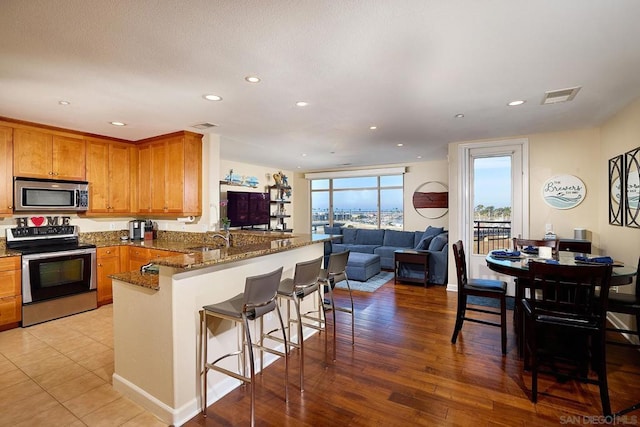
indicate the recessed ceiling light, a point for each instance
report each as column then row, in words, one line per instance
column 419, row 157
column 516, row 103
column 304, row 154
column 252, row 79
column 373, row 127
column 302, row 103
column 64, row 102
column 400, row 144
column 212, row 97
column 118, row 123
column 459, row 116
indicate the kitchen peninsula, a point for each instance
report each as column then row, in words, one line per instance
column 156, row 319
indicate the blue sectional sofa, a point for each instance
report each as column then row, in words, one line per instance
column 386, row 242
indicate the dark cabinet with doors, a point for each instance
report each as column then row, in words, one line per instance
column 572, row 245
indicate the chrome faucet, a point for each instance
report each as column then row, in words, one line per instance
column 226, row 237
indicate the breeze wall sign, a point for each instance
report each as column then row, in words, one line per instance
column 564, row 191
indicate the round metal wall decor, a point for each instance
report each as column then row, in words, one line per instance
column 431, row 199
column 564, row 191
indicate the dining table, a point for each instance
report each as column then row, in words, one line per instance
column 508, row 263
column 518, row 266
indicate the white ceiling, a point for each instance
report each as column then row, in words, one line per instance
column 406, row 66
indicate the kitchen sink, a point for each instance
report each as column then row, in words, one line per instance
column 204, row 248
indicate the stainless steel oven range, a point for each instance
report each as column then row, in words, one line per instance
column 58, row 272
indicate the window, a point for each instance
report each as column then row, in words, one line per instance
column 491, row 203
column 363, row 202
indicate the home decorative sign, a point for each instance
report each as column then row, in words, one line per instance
column 39, row 221
column 564, row 191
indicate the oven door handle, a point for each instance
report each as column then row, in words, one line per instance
column 58, row 254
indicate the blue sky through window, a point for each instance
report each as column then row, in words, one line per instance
column 359, row 193
column 492, row 181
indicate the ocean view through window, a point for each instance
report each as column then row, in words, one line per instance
column 364, row 202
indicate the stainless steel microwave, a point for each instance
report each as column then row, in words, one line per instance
column 49, row 195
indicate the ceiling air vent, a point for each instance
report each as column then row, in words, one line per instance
column 561, row 95
column 204, row 126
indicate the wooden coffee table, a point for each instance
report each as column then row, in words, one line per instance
column 411, row 256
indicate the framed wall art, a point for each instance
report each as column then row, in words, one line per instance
column 632, row 185
column 616, row 193
column 431, row 199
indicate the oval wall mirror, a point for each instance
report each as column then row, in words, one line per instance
column 431, row 199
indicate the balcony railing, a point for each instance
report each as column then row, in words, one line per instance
column 491, row 235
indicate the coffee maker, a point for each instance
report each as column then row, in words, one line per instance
column 136, row 229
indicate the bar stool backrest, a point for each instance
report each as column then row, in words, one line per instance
column 260, row 293
column 307, row 272
column 338, row 263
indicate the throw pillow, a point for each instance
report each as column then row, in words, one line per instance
column 424, row 243
column 432, row 231
column 439, row 242
column 428, row 236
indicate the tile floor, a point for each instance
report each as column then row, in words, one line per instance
column 59, row 373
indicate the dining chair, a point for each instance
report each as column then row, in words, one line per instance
column 626, row 304
column 565, row 324
column 257, row 300
column 488, row 288
column 335, row 272
column 521, row 283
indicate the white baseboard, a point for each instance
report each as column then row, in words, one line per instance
column 619, row 324
column 179, row 416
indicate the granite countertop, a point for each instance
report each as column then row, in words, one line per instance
column 4, row 252
column 250, row 245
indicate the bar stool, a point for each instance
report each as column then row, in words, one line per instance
column 257, row 300
column 335, row 272
column 303, row 283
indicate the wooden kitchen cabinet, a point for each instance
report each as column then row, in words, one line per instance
column 169, row 174
column 10, row 292
column 108, row 173
column 108, row 259
column 140, row 256
column 6, row 170
column 39, row 154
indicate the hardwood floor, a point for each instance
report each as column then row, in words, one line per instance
column 403, row 370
